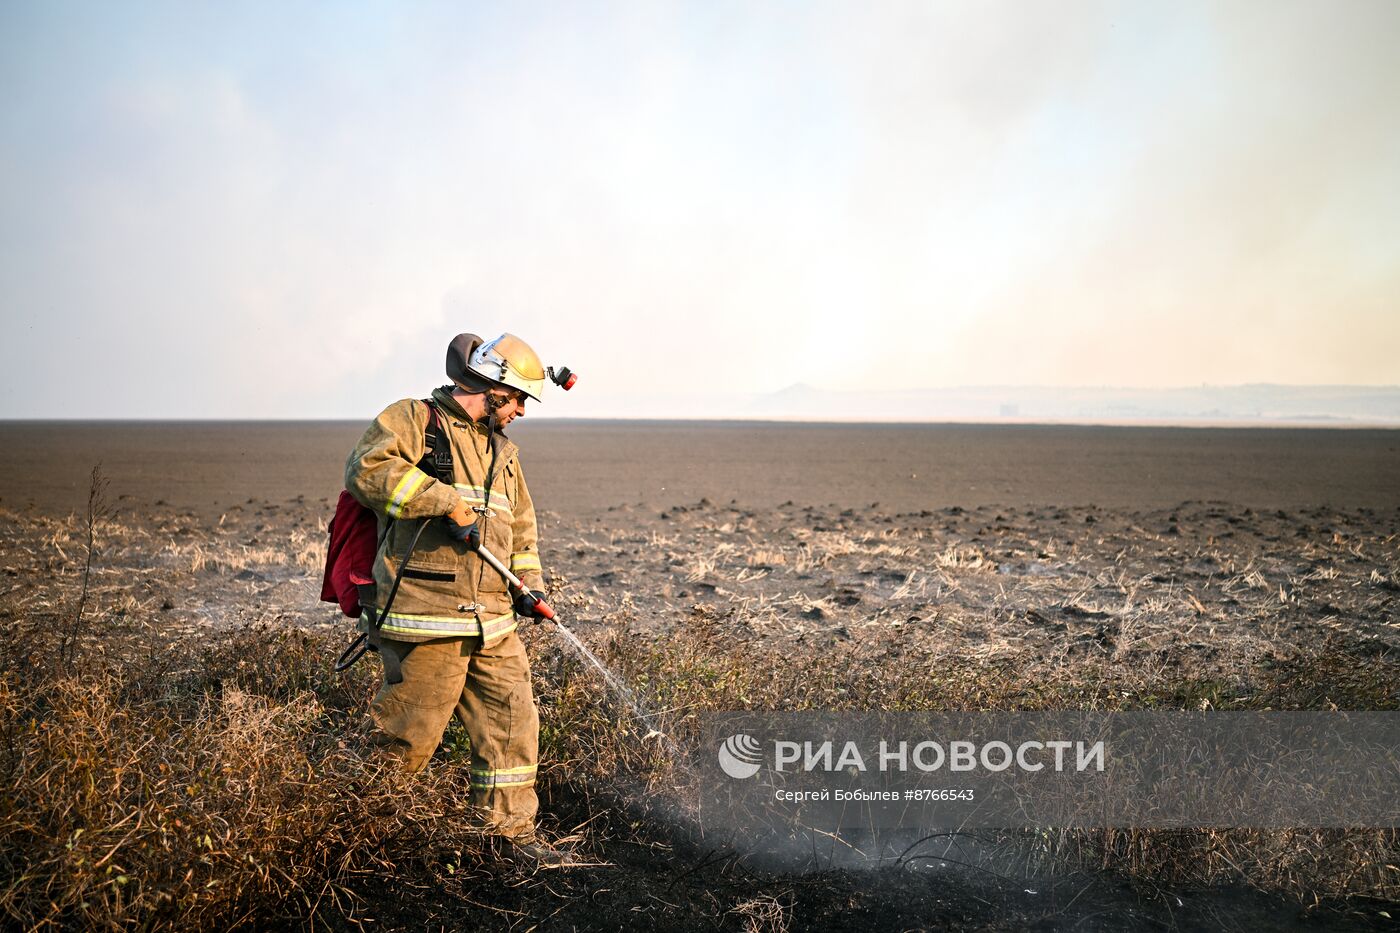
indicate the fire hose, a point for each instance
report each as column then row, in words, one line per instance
column 365, row 642
column 541, row 608
column 369, row 640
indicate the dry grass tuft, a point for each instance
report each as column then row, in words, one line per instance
column 762, row 914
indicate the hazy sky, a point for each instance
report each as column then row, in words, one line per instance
column 287, row 209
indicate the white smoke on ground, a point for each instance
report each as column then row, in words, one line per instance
column 1003, row 859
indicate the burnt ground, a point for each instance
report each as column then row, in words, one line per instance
column 1189, row 584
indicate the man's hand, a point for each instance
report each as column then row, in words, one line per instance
column 525, row 604
column 461, row 527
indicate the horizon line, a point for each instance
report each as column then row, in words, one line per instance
column 1314, row 423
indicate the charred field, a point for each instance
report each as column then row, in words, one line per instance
column 179, row 752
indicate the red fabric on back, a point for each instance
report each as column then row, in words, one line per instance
column 350, row 556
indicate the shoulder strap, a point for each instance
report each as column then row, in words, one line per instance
column 437, row 451
column 491, row 470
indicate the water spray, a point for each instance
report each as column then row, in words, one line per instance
column 615, row 684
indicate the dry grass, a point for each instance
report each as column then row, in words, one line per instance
column 220, row 784
column 302, row 550
column 214, row 787
column 763, row 914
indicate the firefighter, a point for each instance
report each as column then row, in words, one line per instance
column 449, row 637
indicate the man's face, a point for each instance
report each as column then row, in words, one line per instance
column 511, row 405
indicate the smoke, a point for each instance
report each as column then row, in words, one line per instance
column 289, row 211
column 1248, row 234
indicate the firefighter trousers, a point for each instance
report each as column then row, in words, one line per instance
column 489, row 690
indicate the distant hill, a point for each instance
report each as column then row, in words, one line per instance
column 1264, row 403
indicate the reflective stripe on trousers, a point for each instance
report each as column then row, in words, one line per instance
column 503, row 777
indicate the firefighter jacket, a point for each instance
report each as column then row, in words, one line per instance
column 447, row 590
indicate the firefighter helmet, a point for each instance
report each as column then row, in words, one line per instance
column 509, row 362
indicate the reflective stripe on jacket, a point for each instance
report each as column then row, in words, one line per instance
column 446, row 590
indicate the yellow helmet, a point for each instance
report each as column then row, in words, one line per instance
column 509, row 361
